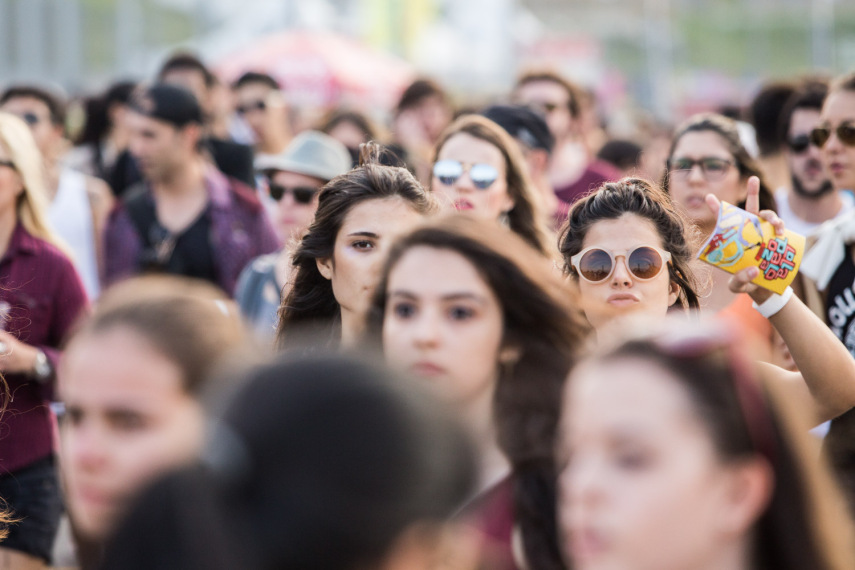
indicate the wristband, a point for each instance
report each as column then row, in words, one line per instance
column 775, row 303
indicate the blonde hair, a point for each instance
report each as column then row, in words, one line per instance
column 31, row 205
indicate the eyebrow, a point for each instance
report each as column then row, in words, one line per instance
column 364, row 234
column 449, row 297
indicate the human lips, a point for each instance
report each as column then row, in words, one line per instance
column 427, row 369
column 587, row 543
column 622, row 299
column 461, row 205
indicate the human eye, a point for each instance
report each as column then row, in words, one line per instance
column 715, row 164
column 404, row 309
column 631, row 458
column 72, row 417
column 362, row 245
column 682, row 164
column 127, row 420
column 461, row 312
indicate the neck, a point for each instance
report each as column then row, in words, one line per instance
column 735, row 555
column 188, row 177
column 51, row 174
column 351, row 328
column 478, row 417
column 274, row 143
column 815, row 210
column 8, row 221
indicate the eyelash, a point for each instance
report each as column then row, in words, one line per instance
column 461, row 313
column 362, row 244
column 404, row 310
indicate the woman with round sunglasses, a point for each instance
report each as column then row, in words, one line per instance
column 675, row 454
column 294, row 179
column 478, row 170
column 480, row 316
column 626, row 280
column 337, row 262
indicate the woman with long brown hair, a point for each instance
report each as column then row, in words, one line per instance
column 477, row 313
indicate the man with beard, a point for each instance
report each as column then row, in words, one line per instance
column 811, row 198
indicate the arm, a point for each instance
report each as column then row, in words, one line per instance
column 101, row 203
column 826, row 369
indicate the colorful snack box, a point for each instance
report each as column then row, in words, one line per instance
column 743, row 240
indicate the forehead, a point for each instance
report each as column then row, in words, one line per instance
column 631, row 394
column 469, row 149
column 803, row 121
column 542, row 90
column 26, row 105
column 254, row 90
column 839, row 106
column 381, row 216
column 623, row 233
column 142, row 122
column 698, row 144
column 427, row 270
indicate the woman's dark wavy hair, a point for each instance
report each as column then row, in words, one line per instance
column 526, row 217
column 642, row 198
column 310, row 303
column 805, row 524
column 540, row 321
column 725, row 128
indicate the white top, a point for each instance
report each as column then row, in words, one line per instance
column 70, row 216
column 797, row 224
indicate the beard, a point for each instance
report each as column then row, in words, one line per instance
column 825, row 188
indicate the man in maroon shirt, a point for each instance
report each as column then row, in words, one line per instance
column 573, row 172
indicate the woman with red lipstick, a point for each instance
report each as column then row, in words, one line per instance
column 675, row 455
column 479, row 315
column 478, row 170
column 337, row 262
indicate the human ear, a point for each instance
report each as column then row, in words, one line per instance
column 325, row 267
column 748, row 491
column 673, row 293
column 510, row 354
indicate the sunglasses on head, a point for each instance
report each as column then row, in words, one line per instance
column 256, row 106
column 595, row 264
column 302, row 194
column 713, row 168
column 449, row 172
column 845, row 132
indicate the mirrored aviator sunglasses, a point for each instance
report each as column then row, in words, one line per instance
column 449, row 172
column 845, row 132
column 595, row 264
column 302, row 194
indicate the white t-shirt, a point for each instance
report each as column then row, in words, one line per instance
column 797, row 224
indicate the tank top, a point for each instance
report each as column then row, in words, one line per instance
column 70, row 216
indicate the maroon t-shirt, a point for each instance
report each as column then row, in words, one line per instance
column 594, row 175
column 41, row 296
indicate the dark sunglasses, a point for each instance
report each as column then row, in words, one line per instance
column 595, row 264
column 302, row 194
column 449, row 171
column 845, row 132
column 713, row 168
column 256, row 106
column 799, row 143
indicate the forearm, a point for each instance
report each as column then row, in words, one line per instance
column 825, row 364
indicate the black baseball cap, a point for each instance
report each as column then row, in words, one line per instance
column 523, row 124
column 169, row 103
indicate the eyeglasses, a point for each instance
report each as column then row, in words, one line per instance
column 709, row 340
column 799, row 143
column 302, row 194
column 259, row 105
column 449, row 171
column 713, row 168
column 845, row 132
column 595, row 264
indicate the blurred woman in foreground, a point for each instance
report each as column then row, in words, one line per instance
column 676, row 455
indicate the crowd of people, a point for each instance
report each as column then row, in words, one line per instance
column 478, row 337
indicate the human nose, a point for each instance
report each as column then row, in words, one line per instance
column 621, row 275
column 833, row 145
column 696, row 173
column 84, row 447
column 426, row 333
column 580, row 486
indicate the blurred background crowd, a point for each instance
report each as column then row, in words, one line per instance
column 349, row 284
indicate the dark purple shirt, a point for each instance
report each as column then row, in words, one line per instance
column 594, row 175
column 240, row 232
column 43, row 296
